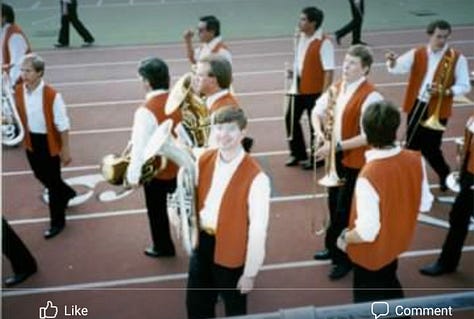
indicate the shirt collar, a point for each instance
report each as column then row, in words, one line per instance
column 233, row 163
column 154, row 93
column 213, row 43
column 214, row 97
column 318, row 34
column 442, row 51
column 39, row 88
column 354, row 85
column 378, row 153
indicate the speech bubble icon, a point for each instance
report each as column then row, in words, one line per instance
column 379, row 309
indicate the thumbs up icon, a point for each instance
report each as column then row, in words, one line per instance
column 48, row 312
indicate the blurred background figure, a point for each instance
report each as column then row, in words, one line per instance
column 69, row 16
column 355, row 25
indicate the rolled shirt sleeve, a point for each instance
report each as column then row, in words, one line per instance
column 61, row 119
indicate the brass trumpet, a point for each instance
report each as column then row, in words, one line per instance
column 433, row 121
column 331, row 179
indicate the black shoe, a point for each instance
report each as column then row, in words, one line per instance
column 53, row 231
column 436, row 269
column 359, row 42
column 442, row 184
column 157, row 253
column 60, row 45
column 18, row 278
column 70, row 196
column 292, row 161
column 87, row 44
column 322, row 255
column 338, row 39
column 339, row 271
column 307, row 165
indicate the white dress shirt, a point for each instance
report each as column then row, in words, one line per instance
column 345, row 95
column 258, row 203
column 326, row 51
column 205, row 49
column 17, row 47
column 367, row 223
column 35, row 115
column 144, row 125
column 461, row 84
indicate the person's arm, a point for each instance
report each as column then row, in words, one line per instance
column 62, row 123
column 462, row 83
column 17, row 47
column 188, row 42
column 367, row 224
column 259, row 205
column 399, row 64
column 426, row 196
column 327, row 60
column 144, row 123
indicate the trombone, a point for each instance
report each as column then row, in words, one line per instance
column 292, row 91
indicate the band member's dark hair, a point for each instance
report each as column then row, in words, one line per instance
column 7, row 13
column 220, row 68
column 230, row 114
column 155, row 71
column 380, row 123
column 315, row 15
column 36, row 61
column 438, row 24
column 364, row 53
column 212, row 24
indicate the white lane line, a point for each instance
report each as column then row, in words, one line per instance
column 234, row 57
column 118, row 285
column 96, row 167
column 35, row 5
column 176, row 77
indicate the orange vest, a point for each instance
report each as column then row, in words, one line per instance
column 156, row 105
column 417, row 74
column 312, row 75
column 232, row 224
column 14, row 28
column 468, row 148
column 225, row 100
column 53, row 135
column 397, row 180
column 354, row 158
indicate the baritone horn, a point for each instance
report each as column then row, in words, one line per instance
column 182, row 203
column 196, row 120
column 12, row 128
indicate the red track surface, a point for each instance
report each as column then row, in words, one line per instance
column 97, row 251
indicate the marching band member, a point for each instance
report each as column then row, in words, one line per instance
column 391, row 187
column 14, row 43
column 233, row 198
column 461, row 212
column 43, row 115
column 155, row 79
column 350, row 97
column 214, row 77
column 314, row 63
column 436, row 71
column 210, row 38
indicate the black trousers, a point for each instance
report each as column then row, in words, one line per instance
column 297, row 145
column 382, row 284
column 16, row 251
column 156, row 192
column 206, row 281
column 72, row 18
column 47, row 169
column 426, row 140
column 355, row 25
column 459, row 219
column 339, row 202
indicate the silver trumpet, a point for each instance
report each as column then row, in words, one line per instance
column 12, row 128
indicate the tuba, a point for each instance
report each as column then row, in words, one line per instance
column 113, row 167
column 196, row 119
column 182, row 203
column 12, row 128
column 331, row 179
